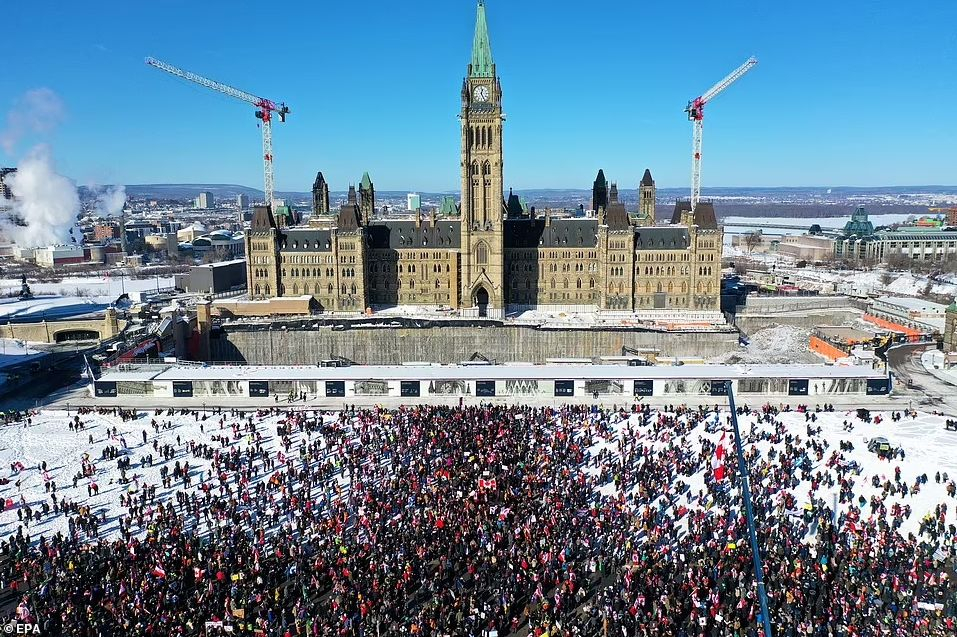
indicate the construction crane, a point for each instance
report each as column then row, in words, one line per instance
column 695, row 111
column 264, row 111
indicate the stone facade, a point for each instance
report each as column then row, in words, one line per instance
column 487, row 253
column 950, row 328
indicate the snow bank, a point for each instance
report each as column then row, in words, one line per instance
column 776, row 344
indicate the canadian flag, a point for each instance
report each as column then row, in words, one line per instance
column 487, row 484
column 717, row 463
column 159, row 571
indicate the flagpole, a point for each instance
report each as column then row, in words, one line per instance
column 746, row 494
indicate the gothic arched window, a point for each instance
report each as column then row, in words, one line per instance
column 481, row 254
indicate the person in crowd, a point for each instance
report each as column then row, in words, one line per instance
column 479, row 520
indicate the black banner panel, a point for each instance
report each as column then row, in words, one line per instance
column 644, row 388
column 258, row 388
column 182, row 389
column 484, row 388
column 719, row 388
column 409, row 388
column 564, row 388
column 104, row 389
column 797, row 387
column 335, row 388
column 878, row 386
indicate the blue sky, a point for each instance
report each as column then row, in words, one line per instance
column 846, row 93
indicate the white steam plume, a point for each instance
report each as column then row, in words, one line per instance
column 110, row 200
column 45, row 203
column 38, row 110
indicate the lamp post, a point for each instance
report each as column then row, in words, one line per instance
column 743, row 475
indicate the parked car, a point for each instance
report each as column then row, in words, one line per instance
column 879, row 445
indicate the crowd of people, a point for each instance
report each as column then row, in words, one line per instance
column 479, row 521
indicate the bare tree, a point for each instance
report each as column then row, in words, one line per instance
column 753, row 239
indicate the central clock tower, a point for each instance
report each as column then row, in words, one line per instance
column 483, row 204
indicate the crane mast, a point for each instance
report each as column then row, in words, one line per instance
column 695, row 111
column 264, row 112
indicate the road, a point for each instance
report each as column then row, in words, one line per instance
column 914, row 383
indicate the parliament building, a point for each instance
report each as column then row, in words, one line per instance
column 488, row 253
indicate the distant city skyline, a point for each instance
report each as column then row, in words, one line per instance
column 845, row 93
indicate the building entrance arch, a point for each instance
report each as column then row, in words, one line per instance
column 481, row 301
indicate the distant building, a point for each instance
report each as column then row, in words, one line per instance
column 105, row 231
column 196, row 229
column 5, row 193
column 413, row 202
column 24, row 254
column 860, row 242
column 448, row 208
column 859, row 225
column 950, row 328
column 204, row 201
column 366, row 199
column 222, row 243
column 242, row 201
column 214, row 278
column 647, row 197
column 807, row 247
column 599, row 192
column 320, row 195
column 287, row 217
column 53, row 256
column 910, row 312
column 165, row 243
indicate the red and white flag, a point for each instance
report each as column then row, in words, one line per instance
column 159, row 571
column 717, row 463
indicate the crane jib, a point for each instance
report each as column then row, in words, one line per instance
column 265, row 109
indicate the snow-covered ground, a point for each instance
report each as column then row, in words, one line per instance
column 775, row 344
column 70, row 297
column 929, row 448
column 861, row 283
column 87, row 286
column 50, row 307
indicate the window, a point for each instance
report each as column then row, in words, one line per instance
column 481, row 254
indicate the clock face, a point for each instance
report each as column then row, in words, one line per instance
column 481, row 93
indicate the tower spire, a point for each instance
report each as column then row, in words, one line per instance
column 481, row 49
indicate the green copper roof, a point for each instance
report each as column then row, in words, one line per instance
column 481, row 49
column 859, row 224
column 366, row 183
column 448, row 206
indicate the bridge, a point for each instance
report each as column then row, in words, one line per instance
column 743, row 226
column 65, row 331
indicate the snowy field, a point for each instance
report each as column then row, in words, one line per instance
column 929, row 448
column 70, row 297
column 87, row 286
column 860, row 283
